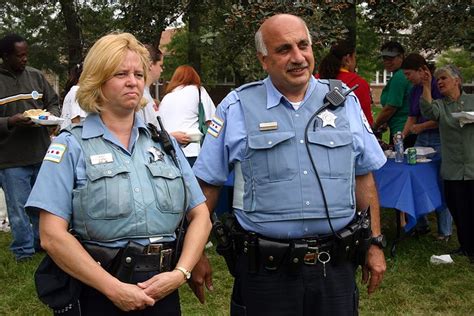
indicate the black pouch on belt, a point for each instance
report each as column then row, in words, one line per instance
column 124, row 265
column 272, row 253
column 103, row 255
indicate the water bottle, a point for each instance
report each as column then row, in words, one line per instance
column 398, row 143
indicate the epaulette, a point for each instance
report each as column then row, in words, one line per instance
column 73, row 129
column 248, row 85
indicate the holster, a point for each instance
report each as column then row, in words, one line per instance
column 225, row 242
column 104, row 256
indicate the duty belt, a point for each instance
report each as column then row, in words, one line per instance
column 122, row 262
column 271, row 254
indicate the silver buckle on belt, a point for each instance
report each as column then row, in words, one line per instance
column 311, row 256
column 153, row 249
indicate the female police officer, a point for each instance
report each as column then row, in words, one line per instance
column 116, row 188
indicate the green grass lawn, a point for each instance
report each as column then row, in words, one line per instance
column 412, row 285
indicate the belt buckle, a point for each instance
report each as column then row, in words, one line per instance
column 311, row 256
column 153, row 249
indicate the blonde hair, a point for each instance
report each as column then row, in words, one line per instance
column 102, row 61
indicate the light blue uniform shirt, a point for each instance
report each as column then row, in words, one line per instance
column 59, row 179
column 225, row 149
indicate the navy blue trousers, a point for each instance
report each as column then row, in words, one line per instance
column 306, row 292
column 92, row 302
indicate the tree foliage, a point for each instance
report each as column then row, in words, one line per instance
column 219, row 37
column 444, row 25
column 462, row 59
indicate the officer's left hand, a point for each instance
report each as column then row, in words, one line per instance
column 376, row 267
column 162, row 284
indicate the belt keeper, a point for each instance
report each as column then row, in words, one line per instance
column 166, row 259
column 297, row 254
column 250, row 247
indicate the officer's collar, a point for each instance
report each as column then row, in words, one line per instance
column 93, row 126
column 274, row 97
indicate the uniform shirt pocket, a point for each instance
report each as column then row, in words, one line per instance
column 167, row 187
column 332, row 153
column 108, row 194
column 273, row 156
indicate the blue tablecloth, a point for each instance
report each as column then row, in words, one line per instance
column 413, row 189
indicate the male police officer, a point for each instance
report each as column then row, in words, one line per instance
column 280, row 195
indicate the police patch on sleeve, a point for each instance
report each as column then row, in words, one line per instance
column 55, row 152
column 215, row 126
column 366, row 122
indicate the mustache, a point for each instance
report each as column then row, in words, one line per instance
column 297, row 66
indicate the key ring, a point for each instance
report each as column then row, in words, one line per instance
column 321, row 256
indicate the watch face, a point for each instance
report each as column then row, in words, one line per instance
column 379, row 241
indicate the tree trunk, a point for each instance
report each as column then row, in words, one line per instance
column 194, row 23
column 74, row 38
column 350, row 21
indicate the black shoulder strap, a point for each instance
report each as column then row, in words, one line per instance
column 334, row 83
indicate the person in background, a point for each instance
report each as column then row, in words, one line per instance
column 120, row 192
column 149, row 112
column 395, row 94
column 179, row 108
column 340, row 63
column 426, row 130
column 23, row 144
column 282, row 222
column 457, row 163
column 4, row 225
column 71, row 112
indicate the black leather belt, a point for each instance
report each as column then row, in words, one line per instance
column 133, row 258
column 271, row 254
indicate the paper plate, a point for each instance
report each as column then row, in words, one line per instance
column 52, row 120
column 194, row 134
column 422, row 160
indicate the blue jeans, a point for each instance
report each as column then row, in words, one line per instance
column 17, row 184
column 444, row 219
column 430, row 138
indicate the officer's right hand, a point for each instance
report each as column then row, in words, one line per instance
column 19, row 120
column 201, row 274
column 129, row 297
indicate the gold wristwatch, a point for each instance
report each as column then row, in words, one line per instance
column 186, row 273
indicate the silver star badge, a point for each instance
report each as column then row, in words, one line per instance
column 156, row 154
column 328, row 118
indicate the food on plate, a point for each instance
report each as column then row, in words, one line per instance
column 194, row 134
column 36, row 113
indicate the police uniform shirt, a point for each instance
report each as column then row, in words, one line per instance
column 226, row 144
column 59, row 178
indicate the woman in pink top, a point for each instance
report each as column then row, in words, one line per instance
column 340, row 63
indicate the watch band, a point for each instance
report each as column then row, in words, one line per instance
column 186, row 273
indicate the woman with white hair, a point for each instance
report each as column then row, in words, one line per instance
column 457, row 164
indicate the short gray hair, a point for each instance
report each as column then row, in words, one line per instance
column 451, row 70
column 260, row 43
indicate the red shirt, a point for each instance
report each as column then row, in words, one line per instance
column 362, row 92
